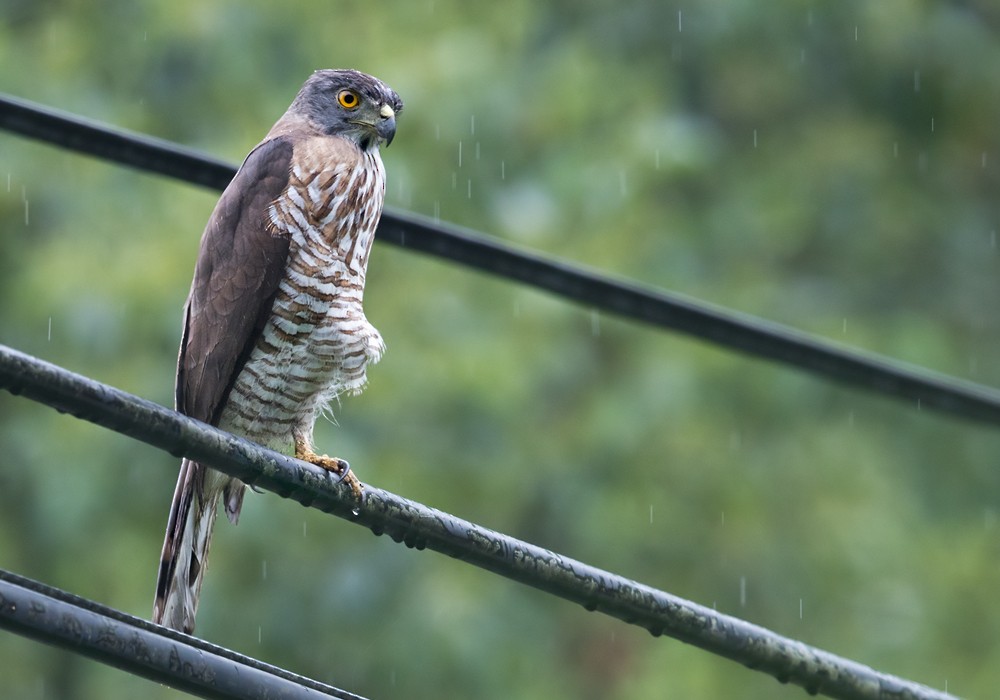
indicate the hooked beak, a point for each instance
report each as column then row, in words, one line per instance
column 386, row 125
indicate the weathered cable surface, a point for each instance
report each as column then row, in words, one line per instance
column 729, row 329
column 76, row 624
column 419, row 526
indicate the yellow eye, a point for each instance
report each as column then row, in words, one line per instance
column 348, row 99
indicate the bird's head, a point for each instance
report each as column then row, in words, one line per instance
column 351, row 104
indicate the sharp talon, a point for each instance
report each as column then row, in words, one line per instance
column 338, row 466
column 352, row 481
column 343, row 472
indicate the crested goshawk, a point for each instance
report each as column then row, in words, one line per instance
column 273, row 326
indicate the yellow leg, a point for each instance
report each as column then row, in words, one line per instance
column 334, row 464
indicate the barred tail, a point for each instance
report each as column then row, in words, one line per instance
column 185, row 546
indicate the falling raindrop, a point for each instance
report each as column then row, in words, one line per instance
column 723, row 519
column 263, row 569
column 855, row 32
column 460, row 154
column 755, row 138
column 469, row 189
column 472, row 124
column 260, row 633
column 743, row 591
column 844, row 327
column 932, row 125
column 680, row 21
column 650, row 513
column 50, row 329
column 303, row 528
column 800, row 608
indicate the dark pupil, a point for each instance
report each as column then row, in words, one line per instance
column 349, row 98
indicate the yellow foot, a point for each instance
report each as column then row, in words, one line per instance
column 333, row 464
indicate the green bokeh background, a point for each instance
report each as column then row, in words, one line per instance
column 830, row 166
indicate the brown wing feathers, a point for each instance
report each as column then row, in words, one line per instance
column 240, row 265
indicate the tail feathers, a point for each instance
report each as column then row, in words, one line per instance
column 189, row 535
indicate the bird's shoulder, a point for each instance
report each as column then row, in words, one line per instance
column 312, row 150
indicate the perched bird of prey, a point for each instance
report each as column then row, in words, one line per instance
column 274, row 327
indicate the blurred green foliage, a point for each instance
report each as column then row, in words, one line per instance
column 832, row 166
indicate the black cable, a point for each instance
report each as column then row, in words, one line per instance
column 116, row 145
column 53, row 616
column 729, row 329
column 418, row 526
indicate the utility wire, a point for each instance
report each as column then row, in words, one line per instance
column 116, row 145
column 49, row 615
column 726, row 328
column 419, row 526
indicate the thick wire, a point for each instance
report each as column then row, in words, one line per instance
column 729, row 329
column 419, row 526
column 55, row 617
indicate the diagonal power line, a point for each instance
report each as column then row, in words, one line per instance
column 76, row 624
column 723, row 327
column 420, row 527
